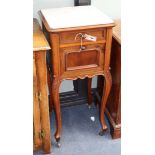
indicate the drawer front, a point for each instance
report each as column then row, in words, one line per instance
column 74, row 36
column 73, row 59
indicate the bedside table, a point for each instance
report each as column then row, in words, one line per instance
column 80, row 38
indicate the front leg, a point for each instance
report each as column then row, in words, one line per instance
column 90, row 100
column 56, row 102
column 106, row 91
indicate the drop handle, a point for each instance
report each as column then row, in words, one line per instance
column 82, row 36
column 82, row 47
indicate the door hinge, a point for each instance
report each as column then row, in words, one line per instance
column 42, row 134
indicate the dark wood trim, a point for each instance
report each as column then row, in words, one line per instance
column 115, row 129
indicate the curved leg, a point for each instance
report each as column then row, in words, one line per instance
column 56, row 102
column 106, row 91
column 89, row 92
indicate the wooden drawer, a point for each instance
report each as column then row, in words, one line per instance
column 72, row 58
column 70, row 37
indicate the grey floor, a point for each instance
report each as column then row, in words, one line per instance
column 80, row 134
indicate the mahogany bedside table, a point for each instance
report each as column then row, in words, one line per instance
column 80, row 38
column 41, row 120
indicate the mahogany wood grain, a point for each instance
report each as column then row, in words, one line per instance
column 54, row 40
column 107, row 77
column 84, row 43
column 69, row 63
column 84, row 59
column 71, row 36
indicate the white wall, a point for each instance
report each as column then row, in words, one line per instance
column 110, row 7
column 41, row 4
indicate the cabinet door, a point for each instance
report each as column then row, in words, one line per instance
column 37, row 142
column 73, row 60
column 81, row 60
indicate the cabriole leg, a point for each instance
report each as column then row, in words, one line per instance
column 106, row 91
column 56, row 102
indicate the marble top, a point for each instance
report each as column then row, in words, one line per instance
column 68, row 17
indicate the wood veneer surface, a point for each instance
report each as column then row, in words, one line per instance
column 39, row 41
column 117, row 31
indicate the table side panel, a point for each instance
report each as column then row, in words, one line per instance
column 37, row 142
column 113, row 103
column 41, row 67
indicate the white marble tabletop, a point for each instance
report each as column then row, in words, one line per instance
column 67, row 17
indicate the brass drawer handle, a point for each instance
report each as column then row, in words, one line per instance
column 81, row 38
column 84, row 36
